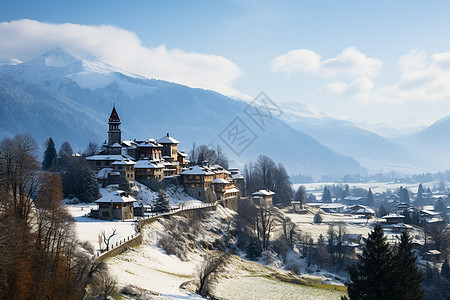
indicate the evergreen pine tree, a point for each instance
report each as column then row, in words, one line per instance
column 382, row 211
column 253, row 251
column 370, row 279
column 326, row 195
column 370, row 200
column 162, row 203
column 406, row 198
column 405, row 274
column 445, row 271
column 50, row 155
column 89, row 191
column 415, row 218
column 124, row 185
column 408, row 219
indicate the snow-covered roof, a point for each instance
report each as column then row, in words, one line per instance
column 184, row 154
column 116, row 197
column 220, row 180
column 429, row 212
column 103, row 173
column 233, row 190
column 167, row 139
column 124, row 162
column 263, row 193
column 149, row 144
column 105, row 157
column 330, row 206
column 402, row 204
column 353, row 198
column 115, row 145
column 433, row 252
column 196, row 170
column 147, row 164
column 237, row 176
column 129, row 143
column 393, row 215
column 365, row 211
column 402, row 225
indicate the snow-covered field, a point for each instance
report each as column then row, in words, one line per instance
column 353, row 225
column 88, row 229
column 150, row 268
column 317, row 188
column 264, row 288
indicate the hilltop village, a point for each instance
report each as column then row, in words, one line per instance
column 157, row 163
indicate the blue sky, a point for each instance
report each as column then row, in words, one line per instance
column 395, row 67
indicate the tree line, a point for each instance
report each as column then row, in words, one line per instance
column 40, row 257
column 78, row 179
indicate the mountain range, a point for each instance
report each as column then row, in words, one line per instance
column 69, row 97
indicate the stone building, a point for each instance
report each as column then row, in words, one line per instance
column 262, row 197
column 116, row 205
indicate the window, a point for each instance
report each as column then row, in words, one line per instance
column 98, row 163
column 105, row 213
column 128, row 175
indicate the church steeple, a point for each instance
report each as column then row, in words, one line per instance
column 114, row 132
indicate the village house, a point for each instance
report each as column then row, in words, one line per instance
column 353, row 200
column 152, row 161
column 149, row 170
column 402, row 227
column 393, row 218
column 361, row 210
column 263, row 197
column 125, row 167
column 210, row 183
column 115, row 205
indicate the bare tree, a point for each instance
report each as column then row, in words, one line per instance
column 18, row 173
column 264, row 225
column 288, row 230
column 106, row 240
column 265, row 168
column 300, row 196
column 213, row 263
column 91, row 149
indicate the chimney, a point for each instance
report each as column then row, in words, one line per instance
column 167, row 134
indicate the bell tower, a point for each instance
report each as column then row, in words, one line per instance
column 114, row 132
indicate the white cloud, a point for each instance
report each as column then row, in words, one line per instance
column 423, row 78
column 296, row 60
column 27, row 39
column 350, row 63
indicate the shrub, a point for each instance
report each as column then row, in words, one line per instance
column 318, row 218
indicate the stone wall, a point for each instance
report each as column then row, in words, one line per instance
column 133, row 241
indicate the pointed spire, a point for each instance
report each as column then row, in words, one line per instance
column 114, row 116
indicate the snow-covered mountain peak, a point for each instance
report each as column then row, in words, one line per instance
column 58, row 58
column 74, row 63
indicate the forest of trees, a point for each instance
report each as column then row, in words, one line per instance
column 41, row 258
column 77, row 177
column 265, row 174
